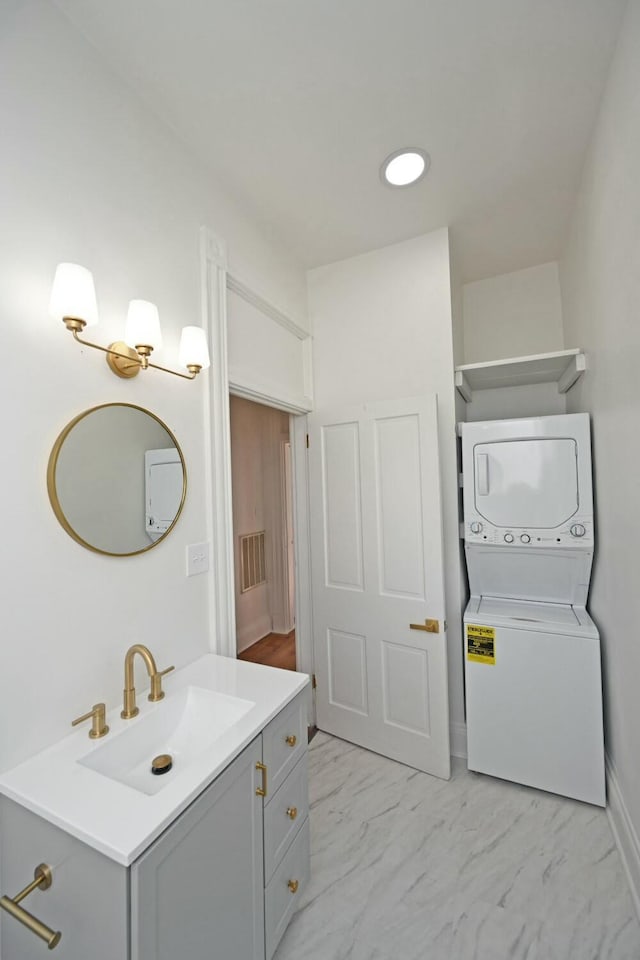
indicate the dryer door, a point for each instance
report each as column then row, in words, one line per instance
column 529, row 483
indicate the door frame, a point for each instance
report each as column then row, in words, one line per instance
column 216, row 280
column 287, row 531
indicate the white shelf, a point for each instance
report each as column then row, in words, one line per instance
column 564, row 367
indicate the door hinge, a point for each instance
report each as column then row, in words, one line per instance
column 313, row 681
column 307, row 441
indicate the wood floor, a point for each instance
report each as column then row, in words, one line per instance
column 274, row 650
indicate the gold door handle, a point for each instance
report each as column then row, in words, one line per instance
column 43, row 878
column 292, row 812
column 291, row 740
column 98, row 715
column 429, row 626
column 293, row 885
column 262, row 791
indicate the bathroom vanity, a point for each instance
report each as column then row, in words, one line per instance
column 207, row 861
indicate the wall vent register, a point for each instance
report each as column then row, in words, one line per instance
column 252, row 561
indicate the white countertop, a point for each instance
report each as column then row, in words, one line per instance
column 116, row 819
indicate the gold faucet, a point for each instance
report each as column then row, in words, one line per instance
column 97, row 715
column 129, row 708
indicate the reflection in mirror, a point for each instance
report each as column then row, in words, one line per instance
column 117, row 479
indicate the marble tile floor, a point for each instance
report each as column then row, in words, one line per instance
column 408, row 867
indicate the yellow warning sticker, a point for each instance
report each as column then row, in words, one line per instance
column 481, row 644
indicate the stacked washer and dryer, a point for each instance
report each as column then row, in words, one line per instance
column 532, row 652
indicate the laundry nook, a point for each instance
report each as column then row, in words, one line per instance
column 536, row 717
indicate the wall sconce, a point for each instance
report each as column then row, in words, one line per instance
column 73, row 300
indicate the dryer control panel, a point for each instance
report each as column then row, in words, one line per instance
column 577, row 532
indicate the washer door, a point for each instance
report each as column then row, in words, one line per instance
column 526, row 483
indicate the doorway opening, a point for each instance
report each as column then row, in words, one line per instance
column 263, row 534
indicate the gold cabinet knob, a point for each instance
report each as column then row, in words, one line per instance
column 292, row 812
column 291, row 740
column 293, row 885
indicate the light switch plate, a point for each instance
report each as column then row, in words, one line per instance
column 197, row 558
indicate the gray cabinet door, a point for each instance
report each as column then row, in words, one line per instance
column 197, row 893
column 87, row 900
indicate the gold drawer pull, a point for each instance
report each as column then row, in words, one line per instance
column 293, row 885
column 291, row 739
column 292, row 812
column 262, row 791
column 43, row 878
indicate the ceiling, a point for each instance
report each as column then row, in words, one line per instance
column 293, row 104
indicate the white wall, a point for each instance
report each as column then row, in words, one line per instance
column 530, row 400
column 88, row 174
column 265, row 357
column 513, row 315
column 382, row 329
column 256, row 433
column 600, row 278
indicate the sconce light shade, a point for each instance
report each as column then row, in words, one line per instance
column 194, row 351
column 73, row 295
column 143, row 325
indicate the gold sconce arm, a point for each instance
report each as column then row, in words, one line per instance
column 43, row 878
column 123, row 360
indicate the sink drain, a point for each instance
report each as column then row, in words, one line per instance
column 161, row 764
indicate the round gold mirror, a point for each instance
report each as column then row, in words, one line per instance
column 117, row 479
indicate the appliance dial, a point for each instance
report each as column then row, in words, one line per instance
column 577, row 530
column 525, row 538
column 476, row 527
column 508, row 538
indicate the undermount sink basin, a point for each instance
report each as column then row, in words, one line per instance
column 184, row 725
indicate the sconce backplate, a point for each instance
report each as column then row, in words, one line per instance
column 122, row 367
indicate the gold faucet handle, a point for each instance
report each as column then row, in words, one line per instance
column 97, row 715
column 157, row 693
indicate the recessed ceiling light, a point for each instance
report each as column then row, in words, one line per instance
column 404, row 167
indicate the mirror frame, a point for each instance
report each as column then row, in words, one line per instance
column 53, row 494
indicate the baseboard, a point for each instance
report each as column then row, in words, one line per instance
column 252, row 632
column 458, row 733
column 624, row 832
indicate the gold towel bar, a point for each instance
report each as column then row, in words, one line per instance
column 43, row 878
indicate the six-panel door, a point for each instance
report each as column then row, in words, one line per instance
column 376, row 544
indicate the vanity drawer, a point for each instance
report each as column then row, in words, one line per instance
column 285, row 815
column 284, row 741
column 280, row 900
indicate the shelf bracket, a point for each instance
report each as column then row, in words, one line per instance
column 574, row 370
column 462, row 386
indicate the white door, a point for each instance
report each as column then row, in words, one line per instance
column 376, row 548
